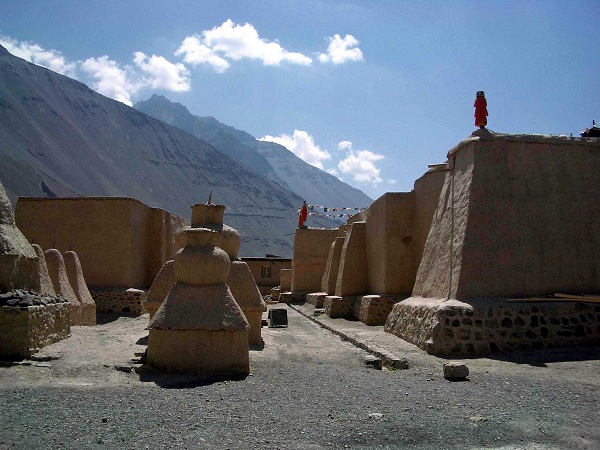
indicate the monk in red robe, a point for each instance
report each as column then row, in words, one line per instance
column 303, row 216
column 480, row 110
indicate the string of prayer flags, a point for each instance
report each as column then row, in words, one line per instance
column 331, row 209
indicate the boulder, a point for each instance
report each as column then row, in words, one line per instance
column 455, row 370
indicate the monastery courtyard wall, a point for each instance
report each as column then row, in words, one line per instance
column 121, row 242
column 497, row 249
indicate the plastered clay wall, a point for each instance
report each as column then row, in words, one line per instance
column 427, row 194
column 285, row 279
column 24, row 330
column 266, row 283
column 311, row 249
column 390, row 235
column 332, row 267
column 353, row 278
column 397, row 227
column 518, row 217
column 120, row 242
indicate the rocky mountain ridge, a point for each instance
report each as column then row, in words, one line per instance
column 267, row 158
column 60, row 138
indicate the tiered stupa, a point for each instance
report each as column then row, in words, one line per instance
column 199, row 327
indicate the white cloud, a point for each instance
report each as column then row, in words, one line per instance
column 303, row 146
column 341, row 50
column 110, row 79
column 360, row 164
column 391, row 181
column 51, row 59
column 105, row 75
column 345, row 145
column 234, row 42
column 197, row 53
column 332, row 171
column 163, row 74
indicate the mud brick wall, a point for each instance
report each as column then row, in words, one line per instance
column 482, row 327
column 25, row 330
column 122, row 301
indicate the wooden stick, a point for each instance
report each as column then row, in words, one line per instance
column 552, row 299
column 583, row 296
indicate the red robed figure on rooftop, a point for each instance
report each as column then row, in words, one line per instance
column 480, row 110
column 303, row 215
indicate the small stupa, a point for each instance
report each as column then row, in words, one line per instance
column 199, row 328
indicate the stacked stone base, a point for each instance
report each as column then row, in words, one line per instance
column 316, row 299
column 369, row 309
column 119, row 300
column 292, row 297
column 25, row 330
column 275, row 292
column 374, row 309
column 339, row 307
column 483, row 326
column 199, row 351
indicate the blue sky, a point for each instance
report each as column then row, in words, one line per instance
column 371, row 91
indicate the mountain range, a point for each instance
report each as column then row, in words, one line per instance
column 60, row 138
column 272, row 160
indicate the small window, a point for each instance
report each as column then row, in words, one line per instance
column 266, row 272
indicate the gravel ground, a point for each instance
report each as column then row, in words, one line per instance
column 308, row 390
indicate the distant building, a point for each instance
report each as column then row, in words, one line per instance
column 266, row 270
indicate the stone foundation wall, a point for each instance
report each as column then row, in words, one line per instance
column 292, row 297
column 488, row 326
column 25, row 330
column 316, row 299
column 374, row 309
column 115, row 300
column 369, row 309
column 339, row 307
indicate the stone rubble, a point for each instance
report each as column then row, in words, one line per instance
column 23, row 299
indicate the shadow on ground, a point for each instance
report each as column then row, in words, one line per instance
column 185, row 381
column 541, row 358
column 104, row 318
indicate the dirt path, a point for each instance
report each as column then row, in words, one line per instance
column 90, row 356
